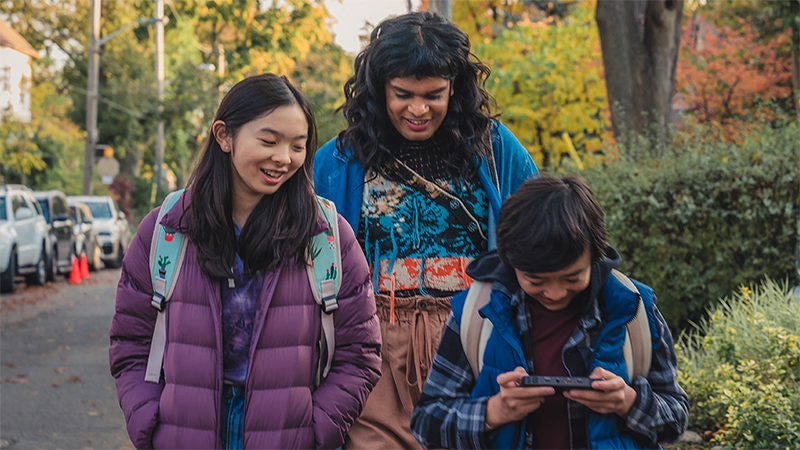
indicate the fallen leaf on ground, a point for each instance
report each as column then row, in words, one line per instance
column 61, row 369
column 63, row 347
column 15, row 380
column 74, row 379
column 94, row 413
column 11, row 364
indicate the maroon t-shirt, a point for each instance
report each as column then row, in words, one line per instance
column 550, row 331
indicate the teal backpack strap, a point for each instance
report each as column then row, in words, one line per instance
column 324, row 270
column 638, row 346
column 167, row 250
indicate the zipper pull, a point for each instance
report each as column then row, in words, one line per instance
column 231, row 283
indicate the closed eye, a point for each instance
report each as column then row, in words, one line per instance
column 267, row 142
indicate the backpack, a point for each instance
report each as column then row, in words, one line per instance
column 475, row 330
column 167, row 250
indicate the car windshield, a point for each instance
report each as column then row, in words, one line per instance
column 45, row 209
column 100, row 210
column 3, row 215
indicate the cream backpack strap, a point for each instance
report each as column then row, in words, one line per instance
column 475, row 330
column 638, row 345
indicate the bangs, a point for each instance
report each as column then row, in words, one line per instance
column 552, row 256
column 423, row 62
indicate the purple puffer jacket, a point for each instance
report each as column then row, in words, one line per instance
column 283, row 408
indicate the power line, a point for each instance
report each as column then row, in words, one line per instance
column 110, row 103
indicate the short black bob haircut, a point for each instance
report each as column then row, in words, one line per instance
column 549, row 223
column 420, row 44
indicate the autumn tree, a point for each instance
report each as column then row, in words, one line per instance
column 48, row 140
column 724, row 74
column 287, row 37
column 768, row 19
column 640, row 40
column 547, row 76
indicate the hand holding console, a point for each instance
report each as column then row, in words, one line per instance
column 560, row 384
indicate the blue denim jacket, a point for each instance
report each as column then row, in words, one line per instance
column 341, row 180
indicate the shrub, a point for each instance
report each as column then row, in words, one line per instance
column 741, row 369
column 699, row 218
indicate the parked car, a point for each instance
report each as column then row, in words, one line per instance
column 86, row 239
column 24, row 238
column 62, row 238
column 111, row 225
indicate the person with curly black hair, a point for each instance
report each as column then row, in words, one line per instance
column 419, row 173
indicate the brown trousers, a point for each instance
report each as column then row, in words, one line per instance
column 409, row 345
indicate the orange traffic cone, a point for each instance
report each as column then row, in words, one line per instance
column 75, row 273
column 84, row 266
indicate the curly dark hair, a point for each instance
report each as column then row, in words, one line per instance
column 281, row 226
column 421, row 44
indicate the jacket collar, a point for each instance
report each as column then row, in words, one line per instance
column 179, row 216
column 343, row 156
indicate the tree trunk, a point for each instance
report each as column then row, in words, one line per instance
column 442, row 7
column 640, row 40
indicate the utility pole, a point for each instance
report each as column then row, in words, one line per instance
column 91, row 99
column 159, row 150
column 442, row 7
column 92, row 88
column 220, row 60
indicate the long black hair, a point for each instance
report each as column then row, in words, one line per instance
column 281, row 226
column 421, row 44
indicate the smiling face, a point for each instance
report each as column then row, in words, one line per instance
column 555, row 290
column 417, row 107
column 266, row 152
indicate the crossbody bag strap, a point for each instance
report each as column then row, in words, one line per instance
column 445, row 199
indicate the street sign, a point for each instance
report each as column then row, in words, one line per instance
column 107, row 167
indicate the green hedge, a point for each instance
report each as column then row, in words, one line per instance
column 703, row 218
column 741, row 369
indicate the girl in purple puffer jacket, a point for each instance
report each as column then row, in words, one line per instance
column 242, row 325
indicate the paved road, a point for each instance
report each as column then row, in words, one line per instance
column 56, row 389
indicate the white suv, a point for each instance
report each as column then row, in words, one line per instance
column 112, row 227
column 24, row 238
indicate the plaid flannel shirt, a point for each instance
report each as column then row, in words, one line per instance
column 446, row 417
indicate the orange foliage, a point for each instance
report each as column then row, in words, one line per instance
column 724, row 76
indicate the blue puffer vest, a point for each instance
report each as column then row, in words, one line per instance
column 504, row 353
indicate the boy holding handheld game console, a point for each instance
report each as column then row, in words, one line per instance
column 556, row 311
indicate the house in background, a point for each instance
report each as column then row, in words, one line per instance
column 15, row 73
